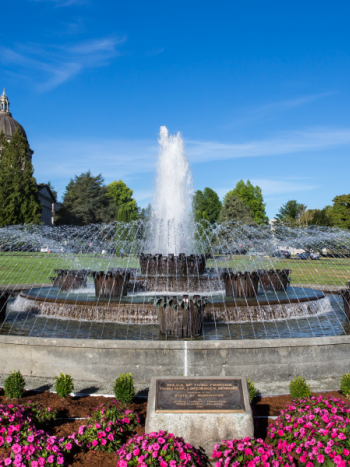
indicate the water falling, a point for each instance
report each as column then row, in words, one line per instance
column 172, row 230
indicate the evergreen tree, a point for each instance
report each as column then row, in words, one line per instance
column 19, row 201
column 291, row 213
column 121, row 195
column 85, row 201
column 251, row 197
column 340, row 212
column 209, row 202
column 235, row 210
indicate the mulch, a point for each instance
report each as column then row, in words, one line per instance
column 82, row 406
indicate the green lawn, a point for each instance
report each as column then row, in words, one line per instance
column 326, row 271
column 31, row 268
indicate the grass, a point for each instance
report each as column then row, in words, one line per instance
column 36, row 268
column 326, row 271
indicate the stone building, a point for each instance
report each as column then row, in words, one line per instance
column 9, row 125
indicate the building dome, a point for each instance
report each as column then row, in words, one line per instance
column 7, row 123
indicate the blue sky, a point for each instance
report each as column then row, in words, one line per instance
column 259, row 91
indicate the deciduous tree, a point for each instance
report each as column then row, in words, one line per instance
column 251, row 197
column 208, row 202
column 340, row 211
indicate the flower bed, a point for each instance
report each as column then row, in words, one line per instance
column 317, row 429
column 160, row 450
column 250, row 453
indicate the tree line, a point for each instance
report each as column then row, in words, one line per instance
column 87, row 200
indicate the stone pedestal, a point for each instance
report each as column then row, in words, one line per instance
column 181, row 321
column 202, row 429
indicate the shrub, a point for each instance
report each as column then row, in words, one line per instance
column 14, row 385
column 113, row 412
column 158, row 449
column 253, row 392
column 249, row 452
column 299, row 389
column 317, row 429
column 124, row 388
column 64, row 385
column 345, row 385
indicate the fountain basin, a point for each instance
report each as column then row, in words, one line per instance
column 136, row 309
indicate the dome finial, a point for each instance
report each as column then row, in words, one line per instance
column 4, row 103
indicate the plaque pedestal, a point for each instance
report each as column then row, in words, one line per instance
column 201, row 410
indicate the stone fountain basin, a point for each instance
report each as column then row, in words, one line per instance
column 136, row 309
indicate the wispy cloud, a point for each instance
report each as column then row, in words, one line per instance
column 272, row 109
column 129, row 159
column 52, row 65
column 62, row 3
column 287, row 143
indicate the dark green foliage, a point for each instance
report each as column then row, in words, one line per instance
column 14, row 385
column 19, row 201
column 64, row 385
column 321, row 217
column 235, row 210
column 299, row 389
column 124, row 388
column 340, row 212
column 290, row 212
column 253, row 392
column 345, row 385
column 207, row 205
column 40, row 416
column 251, row 197
column 85, row 202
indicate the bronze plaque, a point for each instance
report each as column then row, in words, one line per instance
column 199, row 395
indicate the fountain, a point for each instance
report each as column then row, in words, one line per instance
column 181, row 294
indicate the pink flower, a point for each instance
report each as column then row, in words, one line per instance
column 8, row 440
column 341, row 436
column 68, row 446
column 103, row 442
column 218, row 454
column 30, row 438
column 95, row 442
column 128, row 456
column 16, row 448
column 122, row 463
column 136, row 452
column 34, row 464
column 8, row 461
column 320, row 458
column 110, row 437
column 41, row 461
column 163, row 464
column 345, row 452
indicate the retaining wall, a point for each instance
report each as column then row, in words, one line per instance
column 103, row 360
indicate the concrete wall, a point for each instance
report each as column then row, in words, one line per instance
column 102, row 360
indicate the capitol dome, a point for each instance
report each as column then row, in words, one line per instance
column 7, row 123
